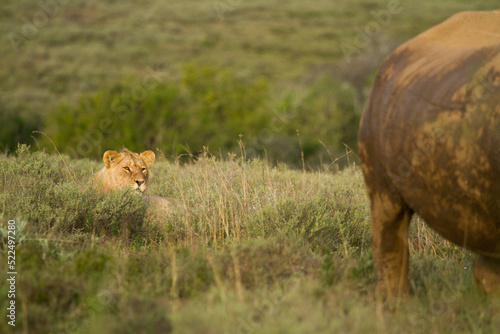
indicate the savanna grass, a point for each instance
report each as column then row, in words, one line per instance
column 247, row 248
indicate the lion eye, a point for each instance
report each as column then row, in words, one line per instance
column 144, row 170
column 127, row 169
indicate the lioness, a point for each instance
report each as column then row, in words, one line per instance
column 128, row 169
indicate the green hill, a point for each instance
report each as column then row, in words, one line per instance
column 56, row 53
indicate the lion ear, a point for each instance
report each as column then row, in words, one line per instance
column 110, row 157
column 148, row 157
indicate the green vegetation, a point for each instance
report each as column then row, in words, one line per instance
column 207, row 109
column 308, row 64
column 248, row 248
column 261, row 239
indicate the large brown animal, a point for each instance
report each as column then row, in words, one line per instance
column 429, row 143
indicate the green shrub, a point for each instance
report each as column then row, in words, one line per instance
column 210, row 108
column 15, row 129
column 327, row 116
column 45, row 190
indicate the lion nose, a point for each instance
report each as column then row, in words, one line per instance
column 139, row 183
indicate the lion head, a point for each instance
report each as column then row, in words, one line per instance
column 125, row 169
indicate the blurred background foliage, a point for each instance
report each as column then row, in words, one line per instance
column 179, row 76
column 209, row 108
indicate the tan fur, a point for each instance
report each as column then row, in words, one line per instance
column 130, row 169
column 125, row 169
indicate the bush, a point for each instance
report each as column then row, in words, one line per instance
column 15, row 129
column 44, row 190
column 208, row 108
column 327, row 114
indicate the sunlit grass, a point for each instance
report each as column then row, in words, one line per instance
column 247, row 247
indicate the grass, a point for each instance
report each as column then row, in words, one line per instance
column 248, row 248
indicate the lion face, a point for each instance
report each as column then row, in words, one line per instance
column 125, row 169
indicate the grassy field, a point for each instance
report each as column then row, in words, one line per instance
column 251, row 245
column 248, row 248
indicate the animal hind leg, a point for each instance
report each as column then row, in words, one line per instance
column 390, row 222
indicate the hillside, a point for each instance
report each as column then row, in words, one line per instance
column 55, row 55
